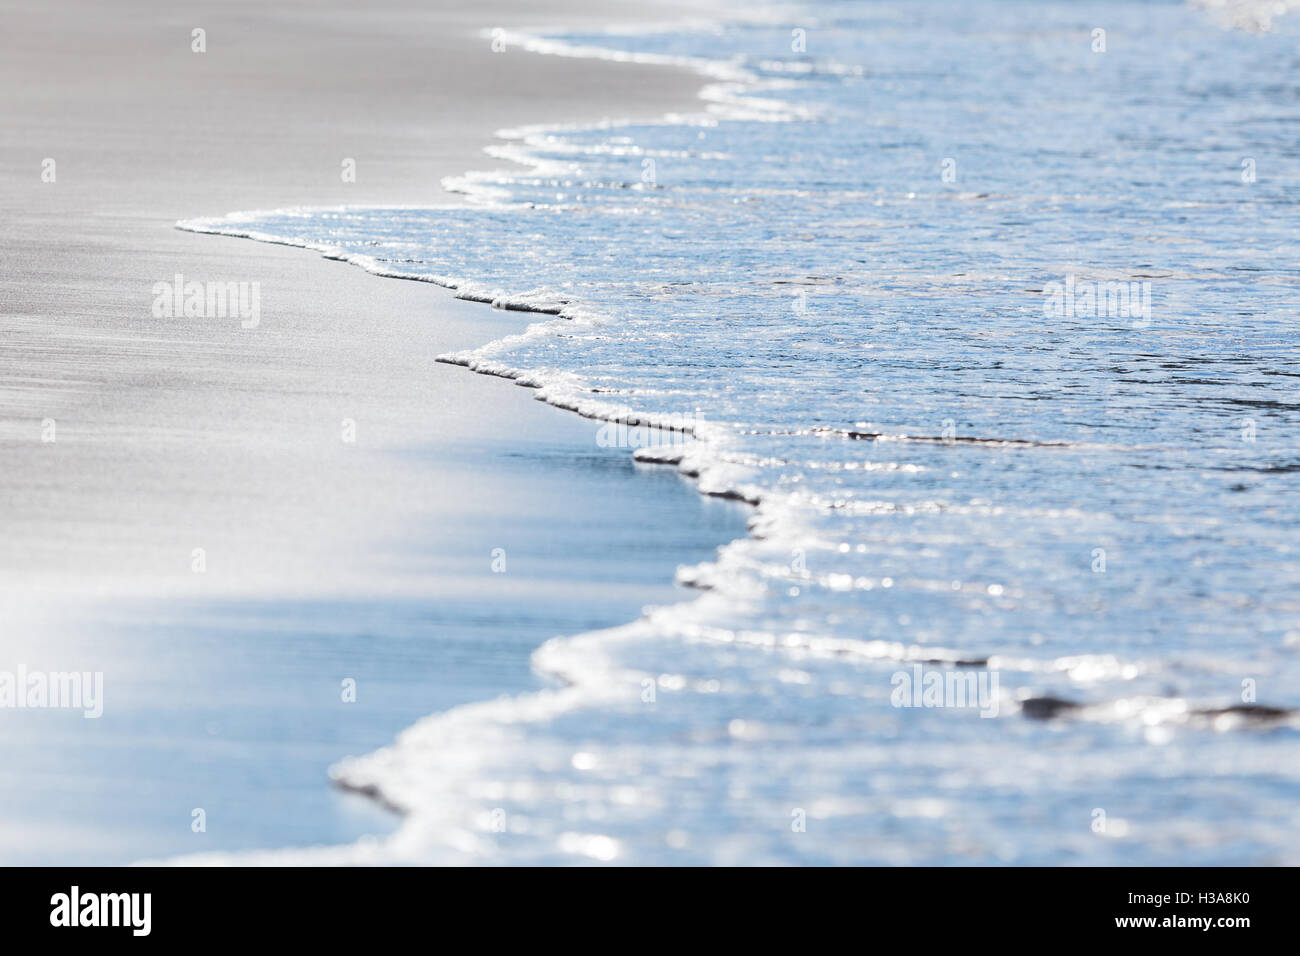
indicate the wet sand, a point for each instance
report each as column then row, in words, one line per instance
column 322, row 559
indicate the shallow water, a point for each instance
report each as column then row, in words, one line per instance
column 237, row 705
column 839, row 276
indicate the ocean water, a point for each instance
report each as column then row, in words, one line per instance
column 992, row 317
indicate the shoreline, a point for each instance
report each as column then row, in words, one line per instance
column 200, row 431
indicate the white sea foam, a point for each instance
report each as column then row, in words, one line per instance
column 1255, row 16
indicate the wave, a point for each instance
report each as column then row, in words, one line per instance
column 942, row 478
